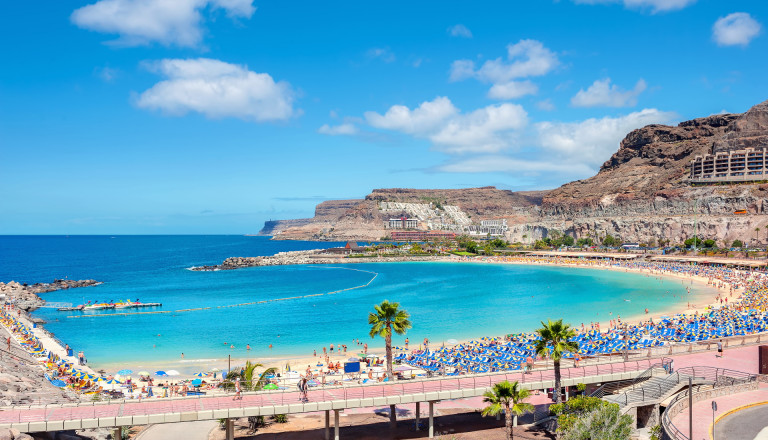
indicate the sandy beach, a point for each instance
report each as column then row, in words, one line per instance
column 317, row 365
column 297, row 362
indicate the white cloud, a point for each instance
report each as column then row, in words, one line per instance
column 546, row 105
column 462, row 69
column 460, row 30
column 422, row 120
column 526, row 58
column 512, row 90
column 593, row 141
column 654, row 5
column 737, row 29
column 509, row 164
column 341, row 129
column 217, row 90
column 602, row 93
column 107, row 74
column 169, row 22
column 569, row 150
column 383, row 53
column 488, row 129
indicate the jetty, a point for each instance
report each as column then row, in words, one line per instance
column 89, row 307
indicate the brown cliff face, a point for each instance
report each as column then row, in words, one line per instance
column 749, row 131
column 639, row 194
column 478, row 202
column 650, row 160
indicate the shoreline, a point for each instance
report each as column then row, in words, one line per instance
column 191, row 366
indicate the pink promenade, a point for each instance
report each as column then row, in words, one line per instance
column 741, row 359
column 462, row 392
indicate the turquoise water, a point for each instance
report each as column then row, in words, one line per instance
column 446, row 300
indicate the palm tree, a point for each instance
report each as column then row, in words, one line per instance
column 507, row 396
column 556, row 336
column 247, row 376
column 388, row 317
column 757, row 237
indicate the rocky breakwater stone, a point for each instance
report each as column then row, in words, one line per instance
column 279, row 259
column 25, row 296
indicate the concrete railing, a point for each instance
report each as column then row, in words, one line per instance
column 111, row 414
column 680, row 403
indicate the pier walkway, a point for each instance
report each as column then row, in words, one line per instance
column 113, row 414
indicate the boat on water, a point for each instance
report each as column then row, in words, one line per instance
column 127, row 304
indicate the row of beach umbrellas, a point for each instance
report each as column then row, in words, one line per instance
column 161, row 373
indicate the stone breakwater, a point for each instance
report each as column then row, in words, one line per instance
column 316, row 256
column 25, row 296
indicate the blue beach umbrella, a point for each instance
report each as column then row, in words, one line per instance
column 201, row 374
column 161, row 373
column 197, row 382
column 59, row 383
column 124, row 372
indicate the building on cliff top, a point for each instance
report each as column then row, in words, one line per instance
column 733, row 166
column 403, row 223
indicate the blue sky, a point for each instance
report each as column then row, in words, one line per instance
column 211, row 116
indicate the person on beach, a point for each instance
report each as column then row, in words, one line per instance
column 720, row 348
column 406, row 343
column 528, row 364
column 303, row 387
column 248, row 347
column 237, row 389
column 331, row 348
column 9, row 345
column 182, row 355
column 365, row 348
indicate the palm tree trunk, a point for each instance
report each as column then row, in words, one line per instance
column 508, row 421
column 557, row 381
column 389, row 353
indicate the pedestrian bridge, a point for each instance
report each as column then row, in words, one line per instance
column 117, row 413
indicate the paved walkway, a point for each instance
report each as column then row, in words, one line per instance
column 186, row 430
column 743, row 359
column 702, row 413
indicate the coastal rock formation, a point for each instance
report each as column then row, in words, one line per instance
column 640, row 194
column 749, row 131
column 25, row 296
column 315, row 256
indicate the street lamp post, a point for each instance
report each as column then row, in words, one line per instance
column 626, row 346
column 690, row 408
column 714, row 410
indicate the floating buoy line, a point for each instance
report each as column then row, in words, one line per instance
column 265, row 301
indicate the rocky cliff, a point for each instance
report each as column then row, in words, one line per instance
column 639, row 194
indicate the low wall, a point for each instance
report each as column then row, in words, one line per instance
column 680, row 405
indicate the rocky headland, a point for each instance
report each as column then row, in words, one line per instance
column 25, row 296
column 316, row 256
column 640, row 194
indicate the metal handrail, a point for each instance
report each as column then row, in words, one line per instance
column 737, row 378
column 357, row 391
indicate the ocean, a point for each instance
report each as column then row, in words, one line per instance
column 446, row 300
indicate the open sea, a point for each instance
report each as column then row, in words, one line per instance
column 445, row 300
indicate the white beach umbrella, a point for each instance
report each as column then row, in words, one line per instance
column 172, row 373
